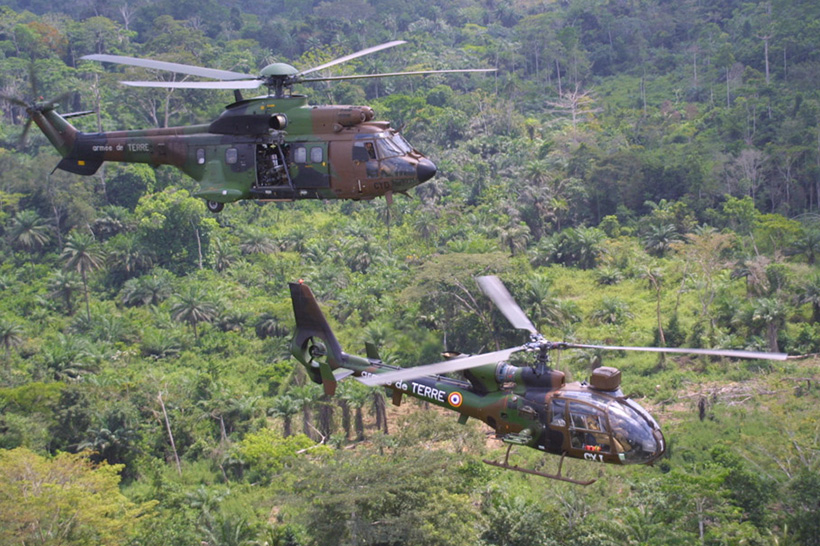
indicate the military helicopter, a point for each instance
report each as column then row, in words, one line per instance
column 274, row 147
column 530, row 405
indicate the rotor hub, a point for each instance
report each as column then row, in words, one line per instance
column 278, row 70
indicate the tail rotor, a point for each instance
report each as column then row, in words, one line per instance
column 35, row 106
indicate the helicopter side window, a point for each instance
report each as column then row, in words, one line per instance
column 359, row 153
column 316, row 154
column 300, row 154
column 200, row 156
column 588, row 428
column 363, row 151
column 231, row 156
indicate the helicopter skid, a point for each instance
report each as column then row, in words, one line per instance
column 557, row 476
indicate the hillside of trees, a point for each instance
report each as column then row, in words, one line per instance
column 637, row 172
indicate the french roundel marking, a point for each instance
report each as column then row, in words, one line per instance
column 455, row 399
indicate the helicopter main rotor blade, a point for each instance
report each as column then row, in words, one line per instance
column 494, row 289
column 438, row 368
column 391, row 74
column 170, row 67
column 682, row 350
column 355, row 55
column 24, row 134
column 15, row 101
column 231, row 84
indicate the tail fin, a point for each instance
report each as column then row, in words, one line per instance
column 314, row 344
column 64, row 136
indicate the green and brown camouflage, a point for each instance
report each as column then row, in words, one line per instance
column 524, row 406
column 262, row 148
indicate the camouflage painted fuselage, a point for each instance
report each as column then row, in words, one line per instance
column 262, row 148
column 524, row 407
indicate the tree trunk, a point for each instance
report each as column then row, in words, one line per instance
column 359, row 425
column 346, row 425
column 325, row 416
column 170, row 434
column 771, row 334
column 380, row 410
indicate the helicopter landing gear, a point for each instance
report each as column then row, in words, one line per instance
column 215, row 206
column 557, row 476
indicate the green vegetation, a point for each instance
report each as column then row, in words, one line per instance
column 637, row 173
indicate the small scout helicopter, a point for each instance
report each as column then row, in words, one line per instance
column 531, row 405
column 328, row 152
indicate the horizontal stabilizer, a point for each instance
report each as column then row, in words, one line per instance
column 341, row 373
column 78, row 114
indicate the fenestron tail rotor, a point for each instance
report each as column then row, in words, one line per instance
column 498, row 293
column 276, row 77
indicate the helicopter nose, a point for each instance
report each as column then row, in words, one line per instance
column 425, row 170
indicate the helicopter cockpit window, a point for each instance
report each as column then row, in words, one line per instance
column 588, row 428
column 632, row 434
column 231, row 156
column 402, row 143
column 388, row 148
column 558, row 416
column 316, row 154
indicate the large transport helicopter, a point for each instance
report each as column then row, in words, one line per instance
column 530, row 405
column 273, row 147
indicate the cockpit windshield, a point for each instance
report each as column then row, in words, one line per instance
column 633, row 435
column 392, row 146
column 605, row 424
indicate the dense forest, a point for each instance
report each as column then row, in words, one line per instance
column 637, row 172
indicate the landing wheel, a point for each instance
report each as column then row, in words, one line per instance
column 215, row 206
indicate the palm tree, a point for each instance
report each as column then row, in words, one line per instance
column 114, row 440
column 514, row 236
column 64, row 285
column 158, row 344
column 147, row 290
column 224, row 255
column 811, row 294
column 67, row 357
column 753, row 269
column 192, row 307
column 659, row 238
column 232, row 321
column 611, row 311
column 256, row 242
column 228, row 531
column 285, row 406
column 808, row 245
column 425, row 222
column 128, row 256
column 654, row 276
column 267, row 325
column 82, row 254
column 29, row 231
column 11, row 335
column 357, row 396
column 113, row 221
column 305, row 395
column 772, row 312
